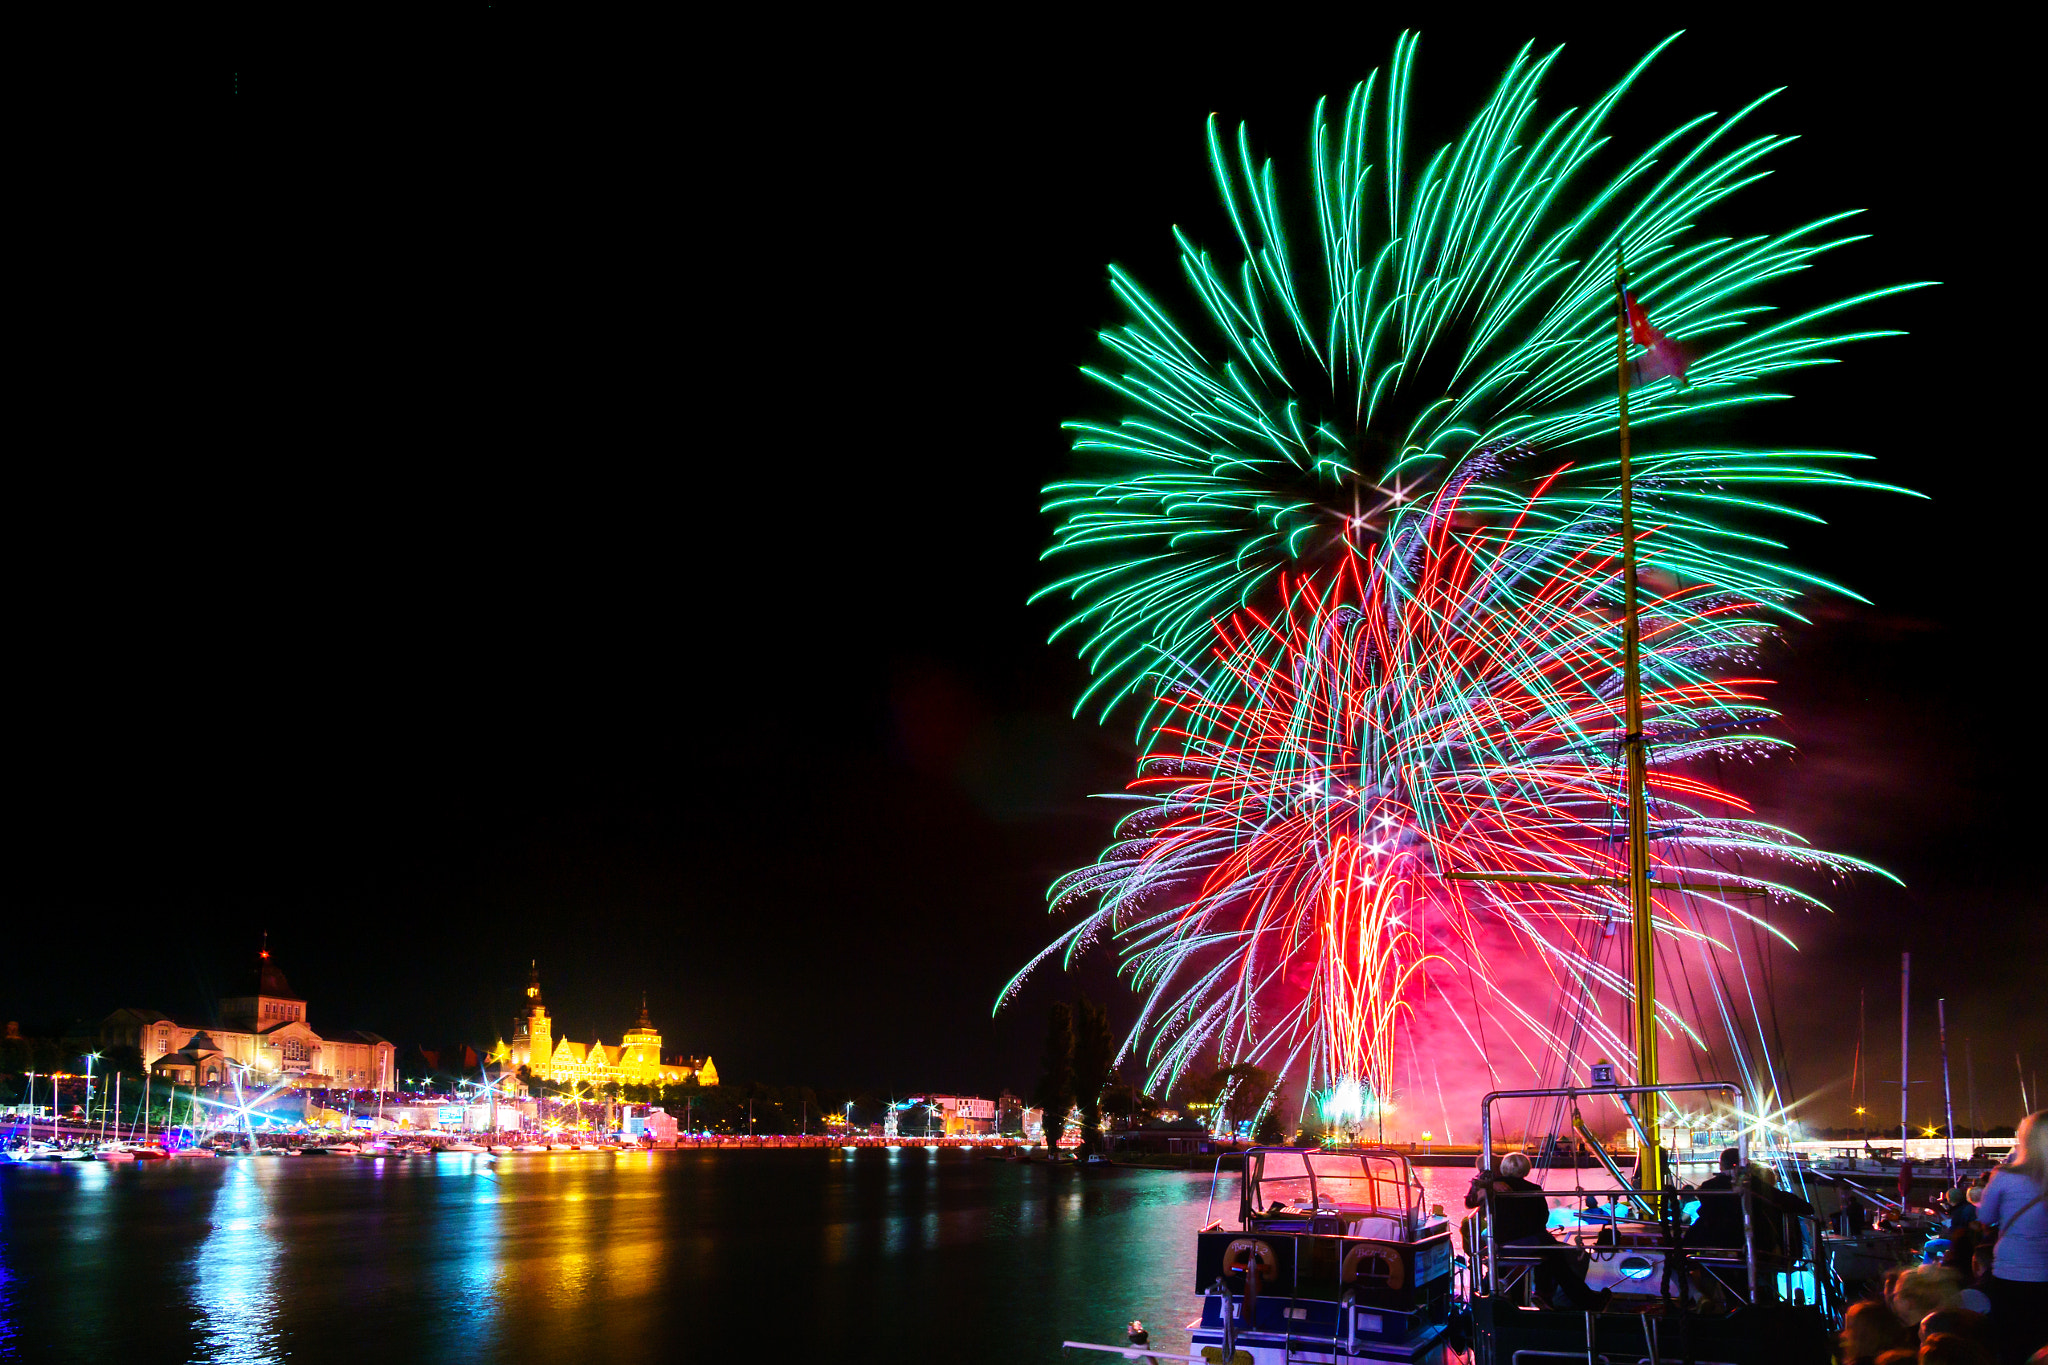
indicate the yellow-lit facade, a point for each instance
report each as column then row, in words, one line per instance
column 635, row 1061
column 266, row 1032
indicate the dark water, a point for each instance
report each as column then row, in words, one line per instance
column 829, row 1255
column 871, row 1255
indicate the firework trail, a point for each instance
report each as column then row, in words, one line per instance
column 1354, row 546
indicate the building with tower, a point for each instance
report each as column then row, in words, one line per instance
column 636, row 1060
column 267, row 1032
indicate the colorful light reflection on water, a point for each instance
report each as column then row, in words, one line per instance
column 584, row 1256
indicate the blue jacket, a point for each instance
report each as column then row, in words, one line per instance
column 2022, row 1250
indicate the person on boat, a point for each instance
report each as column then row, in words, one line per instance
column 1779, row 1229
column 2015, row 1205
column 1854, row 1219
column 1521, row 1218
column 1719, row 1223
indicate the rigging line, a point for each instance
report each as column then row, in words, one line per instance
column 1756, row 1014
column 1749, row 987
column 1712, row 971
column 1570, row 1044
column 1771, row 988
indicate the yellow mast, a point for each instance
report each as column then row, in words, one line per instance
column 1650, row 1165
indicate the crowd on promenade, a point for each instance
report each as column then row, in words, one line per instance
column 1985, row 1301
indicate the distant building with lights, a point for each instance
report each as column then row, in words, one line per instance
column 266, row 1032
column 637, row 1060
column 961, row 1115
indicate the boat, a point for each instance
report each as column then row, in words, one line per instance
column 1776, row 1299
column 531, row 1147
column 114, row 1151
column 188, row 1153
column 1335, row 1257
column 464, row 1145
column 151, row 1152
column 74, row 1152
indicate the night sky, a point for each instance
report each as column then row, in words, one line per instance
column 583, row 510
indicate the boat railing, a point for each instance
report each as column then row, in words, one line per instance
column 1775, row 1242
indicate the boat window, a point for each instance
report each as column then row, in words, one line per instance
column 1283, row 1178
column 1354, row 1181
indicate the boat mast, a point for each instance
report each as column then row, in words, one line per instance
column 1948, row 1106
column 1905, row 1006
column 1650, row 1164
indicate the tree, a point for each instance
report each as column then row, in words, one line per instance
column 1055, row 1091
column 1094, row 1058
column 1131, row 1104
column 1272, row 1128
column 1234, row 1094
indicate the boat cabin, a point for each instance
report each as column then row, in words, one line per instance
column 1336, row 1257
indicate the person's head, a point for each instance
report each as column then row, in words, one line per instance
column 1899, row 1357
column 1869, row 1329
column 1980, row 1260
column 1729, row 1158
column 2030, row 1146
column 1764, row 1176
column 1922, row 1289
column 1950, row 1348
column 1959, row 1321
column 1515, row 1166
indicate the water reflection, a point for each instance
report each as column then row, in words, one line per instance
column 583, row 1257
column 6, row 1286
column 234, row 1294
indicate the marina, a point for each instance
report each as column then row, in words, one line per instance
column 1310, row 692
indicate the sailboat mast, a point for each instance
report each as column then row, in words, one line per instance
column 1948, row 1107
column 1857, row 1081
column 1650, row 1165
column 1905, row 1009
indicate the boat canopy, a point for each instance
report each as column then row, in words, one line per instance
column 1341, row 1180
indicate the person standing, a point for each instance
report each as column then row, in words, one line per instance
column 2016, row 1205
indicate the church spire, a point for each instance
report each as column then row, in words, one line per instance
column 533, row 982
column 645, row 1022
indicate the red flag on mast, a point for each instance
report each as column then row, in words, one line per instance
column 1665, row 356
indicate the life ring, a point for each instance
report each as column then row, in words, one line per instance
column 1356, row 1262
column 1240, row 1255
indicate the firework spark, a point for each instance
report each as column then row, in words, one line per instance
column 1355, row 545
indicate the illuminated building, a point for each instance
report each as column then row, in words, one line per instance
column 961, row 1114
column 266, row 1032
column 636, row 1060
